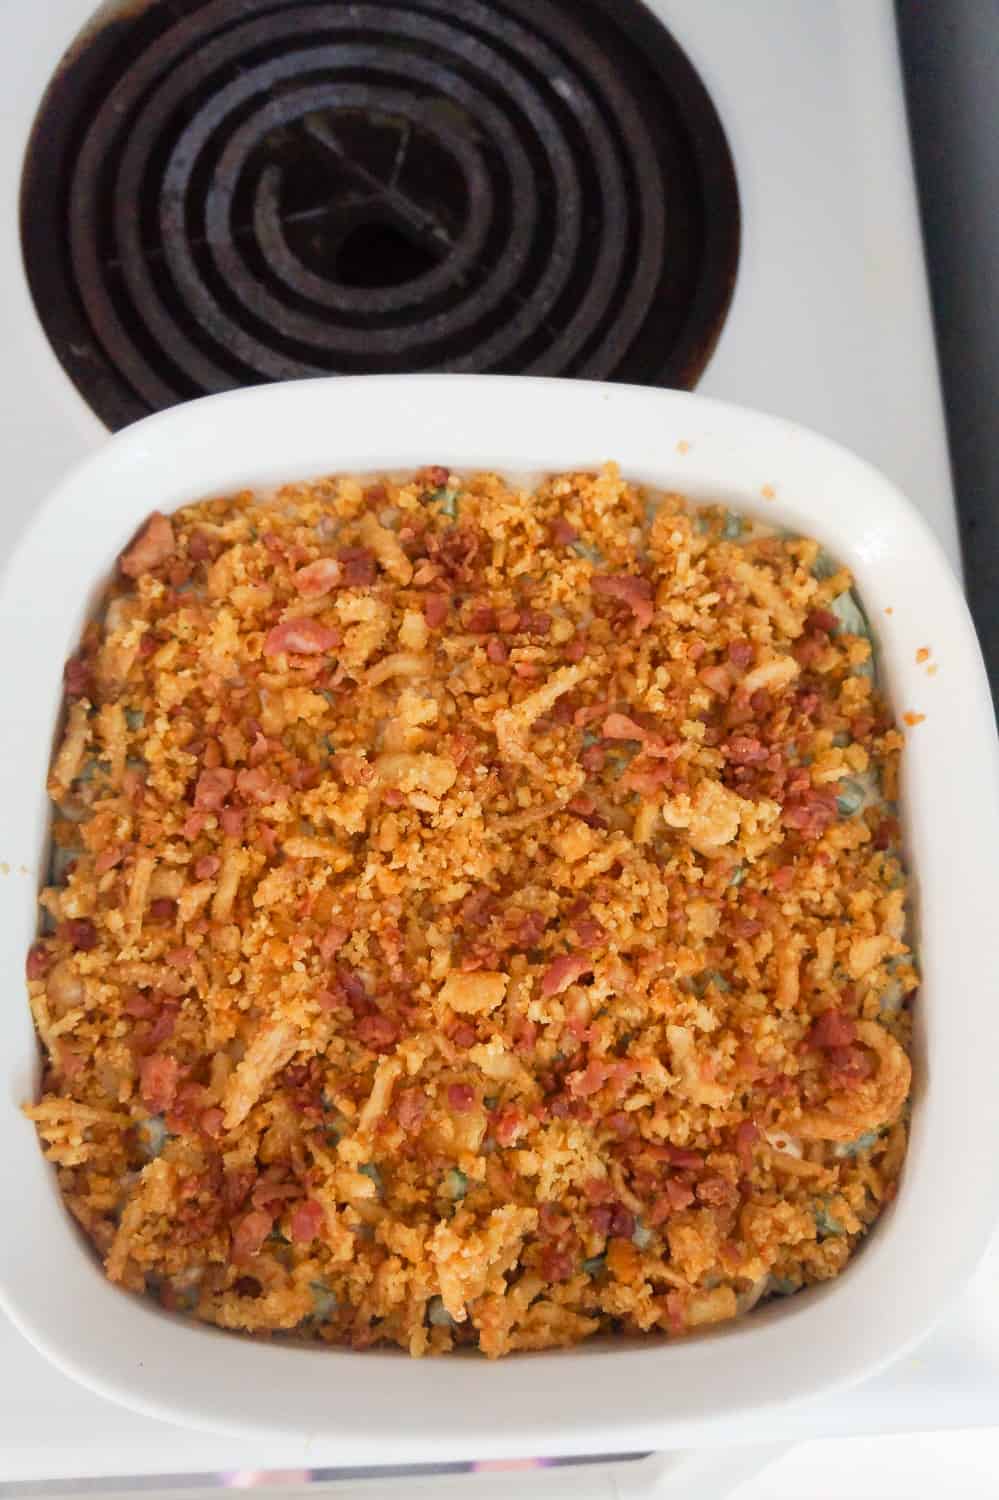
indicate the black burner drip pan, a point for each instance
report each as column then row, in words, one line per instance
column 224, row 192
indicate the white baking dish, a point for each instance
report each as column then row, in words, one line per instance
column 382, row 1407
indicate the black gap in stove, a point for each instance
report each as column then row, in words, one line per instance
column 224, row 192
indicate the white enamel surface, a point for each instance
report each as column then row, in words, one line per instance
column 381, row 1406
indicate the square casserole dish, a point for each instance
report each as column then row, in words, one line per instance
column 611, row 1397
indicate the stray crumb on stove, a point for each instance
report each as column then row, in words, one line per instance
column 912, row 719
column 889, row 610
column 4, row 867
column 769, row 492
column 932, row 670
column 923, row 654
column 683, row 446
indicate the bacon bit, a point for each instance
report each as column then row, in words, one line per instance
column 158, row 1082
column 148, row 644
column 38, row 961
column 589, row 933
column 509, row 1126
column 525, row 1036
column 822, row 620
column 562, row 972
column 153, row 545
column 497, row 651
column 207, row 866
column 679, row 1156
column 352, row 988
column 717, row 679
column 140, row 1005
column 78, row 677
column 231, row 820
column 849, row 1066
column 575, row 649
column 108, row 858
column 622, row 1224
column 163, row 909
column 435, row 609
column 481, row 620
column 591, row 1079
column 555, row 1264
column 887, row 833
column 622, row 1124
column 718, row 1192
column 832, row 1029
column 134, row 786
column 306, row 1221
column 741, row 654
column 433, row 476
column 213, row 788
column 180, row 958
column 620, row 727
column 535, row 622
column 411, row 1109
column 745, row 751
column 268, row 1193
column 529, row 670
column 305, row 637
column 810, row 812
column 237, row 1184
column 592, row 759
column 190, row 1100
column 636, row 593
column 210, row 1121
column 777, row 1084
column 260, row 749
column 478, row 907
column 200, row 547
column 377, row 1032
column 359, row 571
column 318, row 578
column 461, row 1097
column 660, row 1210
column 552, row 1220
column 71, row 1062
column 680, row 1194
column 193, row 824
column 79, row 932
column 598, row 1190
column 783, row 877
column 676, row 1311
column 600, row 1217
column 745, row 1135
column 332, row 941
column 305, row 776
column 249, row 1236
column 562, row 533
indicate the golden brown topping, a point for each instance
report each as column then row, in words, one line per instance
column 476, row 916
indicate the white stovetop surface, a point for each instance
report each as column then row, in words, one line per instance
column 830, row 326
